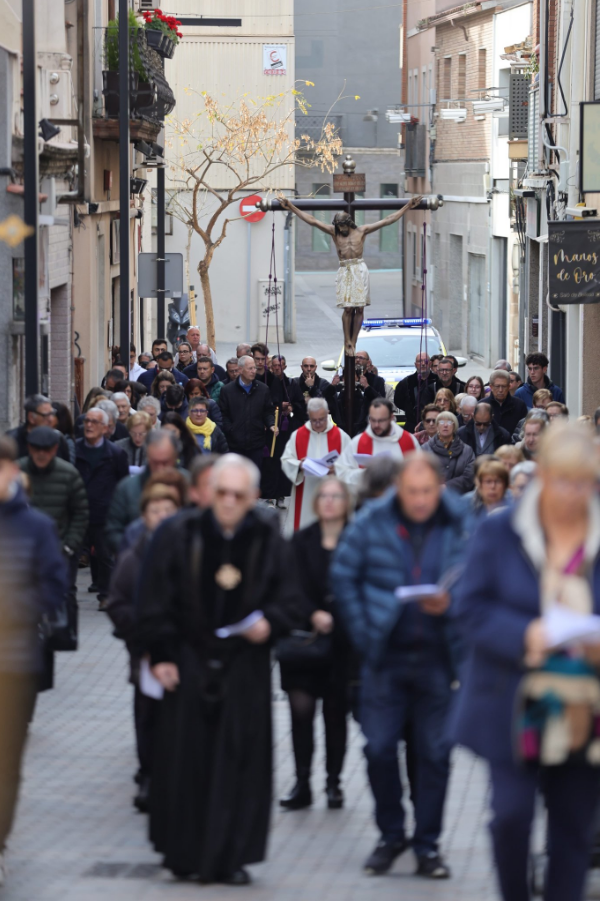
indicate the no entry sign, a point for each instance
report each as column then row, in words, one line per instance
column 248, row 208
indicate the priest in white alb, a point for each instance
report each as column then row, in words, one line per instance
column 382, row 435
column 313, row 440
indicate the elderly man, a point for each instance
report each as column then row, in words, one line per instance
column 503, row 364
column 248, row 414
column 364, row 368
column 193, row 337
column 466, row 409
column 116, row 429
column 507, row 410
column 101, row 465
column 243, row 350
column 208, row 576
column 482, row 434
column 232, row 369
column 161, row 454
column 38, row 411
column 382, row 436
column 305, row 387
column 313, row 440
column 409, row 649
column 535, row 423
column 414, row 392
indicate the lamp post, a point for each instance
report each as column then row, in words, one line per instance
column 31, row 177
column 124, row 185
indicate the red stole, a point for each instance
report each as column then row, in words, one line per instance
column 334, row 442
column 365, row 444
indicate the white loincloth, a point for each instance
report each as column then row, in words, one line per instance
column 352, row 284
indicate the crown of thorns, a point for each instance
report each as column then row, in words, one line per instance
column 343, row 219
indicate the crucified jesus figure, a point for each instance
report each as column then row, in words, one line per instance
column 352, row 280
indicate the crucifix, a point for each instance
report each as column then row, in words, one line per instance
column 352, row 280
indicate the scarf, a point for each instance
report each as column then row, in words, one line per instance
column 207, row 429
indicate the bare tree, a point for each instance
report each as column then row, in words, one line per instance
column 241, row 145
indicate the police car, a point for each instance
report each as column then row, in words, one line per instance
column 393, row 344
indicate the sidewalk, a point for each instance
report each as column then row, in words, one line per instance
column 78, row 838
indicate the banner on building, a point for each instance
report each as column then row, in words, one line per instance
column 574, row 262
column 274, row 59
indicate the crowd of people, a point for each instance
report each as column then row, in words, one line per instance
column 406, row 583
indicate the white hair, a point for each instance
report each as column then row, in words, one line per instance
column 109, row 407
column 105, row 416
column 149, row 402
column 316, row 404
column 468, row 401
column 243, row 360
column 120, row 395
column 236, row 461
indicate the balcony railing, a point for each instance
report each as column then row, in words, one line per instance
column 313, row 126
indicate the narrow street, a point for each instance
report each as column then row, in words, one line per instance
column 78, row 838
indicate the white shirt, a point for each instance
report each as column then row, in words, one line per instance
column 347, row 468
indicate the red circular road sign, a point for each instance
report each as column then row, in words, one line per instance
column 248, row 208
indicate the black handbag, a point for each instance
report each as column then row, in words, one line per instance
column 63, row 629
column 308, row 650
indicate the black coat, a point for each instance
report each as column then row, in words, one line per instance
column 298, row 392
column 405, row 397
column 20, row 436
column 456, row 386
column 212, row 768
column 246, row 415
column 120, row 432
column 497, row 437
column 363, row 398
column 101, row 482
column 59, row 492
column 509, row 414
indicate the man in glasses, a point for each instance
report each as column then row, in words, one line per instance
column 482, row 434
column 414, row 392
column 313, row 440
column 446, row 377
column 38, row 411
column 216, row 587
column 383, row 435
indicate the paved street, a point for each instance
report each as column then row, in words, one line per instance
column 78, row 838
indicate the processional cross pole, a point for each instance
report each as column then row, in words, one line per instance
column 352, row 280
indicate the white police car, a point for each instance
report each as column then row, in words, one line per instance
column 393, row 344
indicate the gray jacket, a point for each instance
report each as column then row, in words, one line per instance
column 456, row 462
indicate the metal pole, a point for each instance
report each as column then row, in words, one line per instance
column 349, row 362
column 160, row 251
column 31, row 176
column 249, row 282
column 124, row 176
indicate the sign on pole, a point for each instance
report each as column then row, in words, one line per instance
column 573, row 262
column 248, row 208
column 147, row 275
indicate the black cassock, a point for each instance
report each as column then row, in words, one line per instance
column 274, row 483
column 211, row 780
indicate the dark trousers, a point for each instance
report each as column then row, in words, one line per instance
column 303, row 708
column 408, row 689
column 145, row 713
column 571, row 795
column 17, row 700
column 257, row 456
column 101, row 559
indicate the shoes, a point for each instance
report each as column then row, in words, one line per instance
column 383, row 856
column 238, row 877
column 335, row 796
column 142, row 799
column 93, row 588
column 432, row 867
column 102, row 599
column 299, row 797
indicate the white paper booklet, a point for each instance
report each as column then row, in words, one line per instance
column 242, row 626
column 564, row 627
column 320, row 467
column 366, row 459
column 149, row 684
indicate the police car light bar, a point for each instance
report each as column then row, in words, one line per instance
column 384, row 323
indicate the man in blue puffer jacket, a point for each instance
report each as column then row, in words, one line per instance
column 33, row 583
column 413, row 535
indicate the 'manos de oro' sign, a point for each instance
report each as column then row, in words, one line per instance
column 574, row 262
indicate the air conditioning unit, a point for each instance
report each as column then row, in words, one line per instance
column 394, row 116
column 148, row 5
column 488, row 106
column 453, row 115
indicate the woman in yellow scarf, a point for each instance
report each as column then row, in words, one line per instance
column 208, row 435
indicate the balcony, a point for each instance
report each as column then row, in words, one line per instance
column 415, row 160
column 150, row 96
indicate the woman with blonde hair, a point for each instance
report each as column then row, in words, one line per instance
column 456, row 459
column 491, row 485
column 528, row 705
column 510, row 455
column 445, row 400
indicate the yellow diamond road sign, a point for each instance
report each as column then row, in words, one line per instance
column 13, row 230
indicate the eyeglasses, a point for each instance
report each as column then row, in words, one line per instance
column 238, row 495
column 430, row 421
column 491, row 482
column 45, row 415
column 331, row 497
column 444, row 371
column 93, row 421
column 318, row 421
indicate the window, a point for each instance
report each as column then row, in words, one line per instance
column 447, row 79
column 321, row 243
column 359, row 215
column 462, row 76
column 424, row 94
column 388, row 236
column 481, row 69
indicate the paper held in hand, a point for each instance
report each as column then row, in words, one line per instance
column 149, row 684
column 408, row 593
column 367, row 459
column 241, row 627
column 564, row 627
column 320, row 467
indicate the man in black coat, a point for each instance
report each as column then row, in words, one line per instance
column 445, row 377
column 101, row 465
column 482, row 434
column 415, row 392
column 38, row 411
column 508, row 411
column 248, row 413
column 306, row 386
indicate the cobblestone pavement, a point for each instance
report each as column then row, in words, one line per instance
column 78, row 838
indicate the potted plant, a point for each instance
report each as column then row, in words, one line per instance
column 141, row 92
column 162, row 32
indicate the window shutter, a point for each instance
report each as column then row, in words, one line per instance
column 518, row 106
